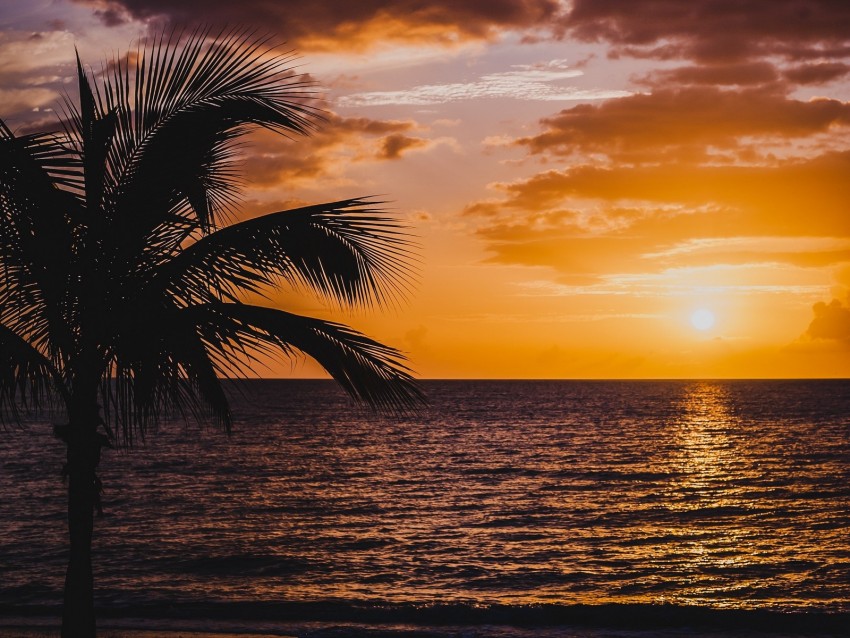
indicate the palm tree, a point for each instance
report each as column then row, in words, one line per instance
column 122, row 287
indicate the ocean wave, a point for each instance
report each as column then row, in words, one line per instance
column 611, row 616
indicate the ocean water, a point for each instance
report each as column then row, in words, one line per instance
column 507, row 508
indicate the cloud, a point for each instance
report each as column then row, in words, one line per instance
column 788, row 197
column 589, row 221
column 25, row 52
column 756, row 73
column 831, row 321
column 272, row 161
column 734, row 74
column 805, row 252
column 704, row 30
column 328, row 24
column 112, row 14
column 673, row 282
column 767, row 244
column 818, row 73
column 525, row 82
column 718, row 166
column 710, row 31
column 34, row 71
column 685, row 122
column 392, row 146
column 15, row 101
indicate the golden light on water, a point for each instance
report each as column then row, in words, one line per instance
column 708, row 454
column 704, row 452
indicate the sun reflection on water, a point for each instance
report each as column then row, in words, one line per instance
column 704, row 449
column 717, row 522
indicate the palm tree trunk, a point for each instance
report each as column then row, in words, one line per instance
column 78, row 603
column 78, row 620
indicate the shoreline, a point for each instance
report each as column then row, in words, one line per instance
column 330, row 620
column 163, row 627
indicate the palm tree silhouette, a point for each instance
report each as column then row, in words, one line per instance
column 122, row 286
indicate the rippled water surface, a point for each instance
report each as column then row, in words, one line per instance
column 731, row 495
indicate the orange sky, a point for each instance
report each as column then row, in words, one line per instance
column 583, row 175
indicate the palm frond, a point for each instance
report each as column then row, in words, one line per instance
column 49, row 154
column 27, row 377
column 115, row 265
column 368, row 370
column 96, row 130
column 158, row 366
column 347, row 251
column 180, row 107
column 40, row 183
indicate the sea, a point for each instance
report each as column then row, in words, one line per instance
column 508, row 509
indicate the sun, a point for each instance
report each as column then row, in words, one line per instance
column 702, row 319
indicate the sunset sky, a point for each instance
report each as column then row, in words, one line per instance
column 584, row 177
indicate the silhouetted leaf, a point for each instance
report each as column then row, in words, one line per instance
column 119, row 282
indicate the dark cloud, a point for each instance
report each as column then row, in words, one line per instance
column 361, row 23
column 723, row 33
column 831, row 321
column 684, row 121
column 113, row 15
column 698, row 29
column 819, row 73
column 713, row 30
column 741, row 74
column 394, row 145
column 340, row 141
column 736, row 38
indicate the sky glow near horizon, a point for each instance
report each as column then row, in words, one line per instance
column 583, row 176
